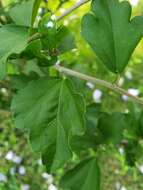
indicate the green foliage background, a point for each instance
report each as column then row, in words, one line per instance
column 82, row 59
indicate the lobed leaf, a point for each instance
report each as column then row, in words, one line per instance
column 51, row 110
column 111, row 33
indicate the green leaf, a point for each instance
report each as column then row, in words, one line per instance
column 20, row 81
column 133, row 152
column 141, row 125
column 65, row 40
column 34, row 50
column 48, row 29
column 13, row 40
column 35, row 10
column 132, row 129
column 55, row 37
column 111, row 33
column 85, row 176
column 24, row 14
column 110, row 128
column 91, row 138
column 51, row 111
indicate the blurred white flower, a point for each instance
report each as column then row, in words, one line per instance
column 134, row 2
column 53, row 17
column 121, row 81
column 123, row 188
column 141, row 169
column 62, row 10
column 17, row 159
column 25, row 187
column 117, row 185
column 121, row 150
column 50, row 24
column 21, row 170
column 117, row 171
column 48, row 177
column 128, row 75
column 40, row 10
column 39, row 162
column 9, row 155
column 133, row 91
column 4, row 91
column 90, row 85
column 52, row 187
column 125, row 98
column 97, row 95
column 3, row 178
column 45, row 175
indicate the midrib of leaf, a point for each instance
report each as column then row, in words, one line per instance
column 59, row 103
column 113, row 36
column 88, row 174
column 72, row 97
column 92, row 164
column 59, row 100
column 58, row 116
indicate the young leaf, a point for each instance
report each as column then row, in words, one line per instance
column 111, row 33
column 55, row 37
column 51, row 111
column 24, row 14
column 34, row 50
column 13, row 40
column 85, row 176
column 48, row 29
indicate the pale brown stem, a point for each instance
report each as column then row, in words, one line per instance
column 97, row 81
column 75, row 6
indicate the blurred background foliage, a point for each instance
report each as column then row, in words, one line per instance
column 20, row 168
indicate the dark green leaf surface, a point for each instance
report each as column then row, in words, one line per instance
column 111, row 127
column 24, row 14
column 141, row 125
column 34, row 50
column 51, row 111
column 65, row 40
column 48, row 29
column 133, row 152
column 85, row 176
column 111, row 33
column 91, row 138
column 55, row 37
column 13, row 39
